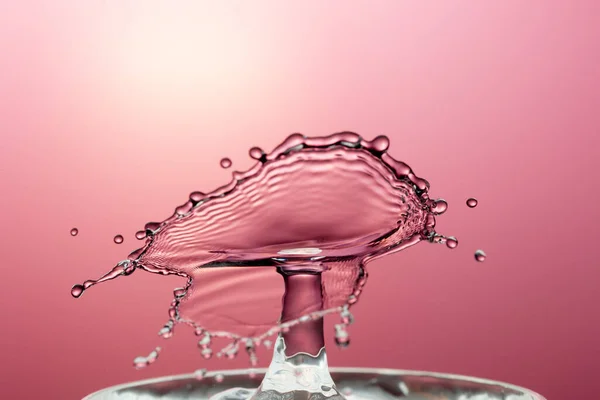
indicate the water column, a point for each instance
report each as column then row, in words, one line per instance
column 299, row 365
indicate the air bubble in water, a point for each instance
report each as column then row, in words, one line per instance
column 480, row 256
column 225, row 162
column 118, row 239
column 74, row 232
column 472, row 202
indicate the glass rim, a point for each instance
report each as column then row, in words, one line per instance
column 334, row 371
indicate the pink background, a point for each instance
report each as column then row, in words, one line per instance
column 112, row 111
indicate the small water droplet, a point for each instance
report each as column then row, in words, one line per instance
column 151, row 228
column 206, row 352
column 139, row 235
column 472, row 202
column 118, row 239
column 325, row 388
column 347, row 317
column 197, row 196
column 380, row 143
column 225, row 162
column 205, row 341
column 342, row 338
column 480, row 256
column 142, row 362
column 439, row 206
column 74, row 232
column 184, row 209
column 451, row 242
column 199, row 374
column 256, row 153
column 77, row 290
column 167, row 330
column 219, row 378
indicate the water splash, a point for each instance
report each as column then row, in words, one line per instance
column 326, row 206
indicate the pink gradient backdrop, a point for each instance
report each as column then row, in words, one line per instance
column 112, row 111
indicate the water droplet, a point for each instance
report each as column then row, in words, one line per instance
column 151, row 228
column 256, row 153
column 451, row 242
column 325, row 388
column 184, row 209
column 219, row 378
column 480, row 256
column 199, row 374
column 77, row 290
column 118, row 239
column 380, row 143
column 142, row 362
column 167, row 330
column 347, row 317
column 439, row 206
column 225, row 162
column 268, row 344
column 74, row 232
column 196, row 197
column 139, row 235
column 206, row 352
column 205, row 341
column 472, row 202
column 342, row 338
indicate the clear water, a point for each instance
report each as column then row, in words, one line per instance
column 313, row 212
